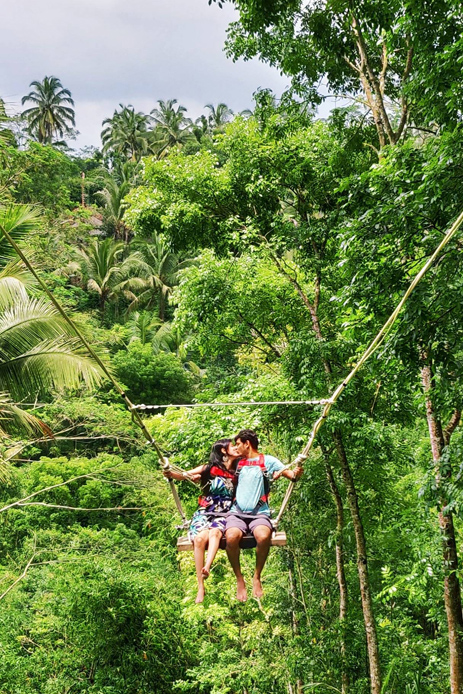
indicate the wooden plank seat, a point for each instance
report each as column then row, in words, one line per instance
column 184, row 544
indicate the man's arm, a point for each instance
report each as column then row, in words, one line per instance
column 292, row 475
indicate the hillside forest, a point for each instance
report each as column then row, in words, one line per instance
column 240, row 257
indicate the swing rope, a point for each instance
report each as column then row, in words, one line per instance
column 135, row 414
column 372, row 347
column 251, row 403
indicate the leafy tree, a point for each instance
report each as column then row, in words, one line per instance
column 50, row 116
column 408, row 219
column 43, row 175
column 403, row 54
column 152, row 378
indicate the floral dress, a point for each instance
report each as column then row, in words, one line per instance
column 218, row 500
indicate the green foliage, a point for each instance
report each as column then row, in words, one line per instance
column 40, row 174
column 152, row 378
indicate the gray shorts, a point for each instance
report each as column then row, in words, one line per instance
column 247, row 524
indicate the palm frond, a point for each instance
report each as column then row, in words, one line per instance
column 18, row 221
column 13, row 417
column 25, row 323
column 52, row 364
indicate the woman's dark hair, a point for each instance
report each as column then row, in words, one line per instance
column 215, row 459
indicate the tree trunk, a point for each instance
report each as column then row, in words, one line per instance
column 365, row 591
column 452, row 592
column 295, row 621
column 362, row 566
column 340, row 572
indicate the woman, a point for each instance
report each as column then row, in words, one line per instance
column 218, row 485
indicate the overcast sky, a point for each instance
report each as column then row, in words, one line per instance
column 115, row 51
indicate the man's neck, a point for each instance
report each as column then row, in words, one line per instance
column 252, row 454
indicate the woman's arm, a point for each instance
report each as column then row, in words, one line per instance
column 187, row 474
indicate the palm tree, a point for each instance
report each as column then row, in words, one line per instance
column 172, row 127
column 156, row 272
column 49, row 116
column 38, row 349
column 218, row 116
column 126, row 133
column 103, row 265
column 200, row 128
column 6, row 135
column 113, row 198
column 143, row 327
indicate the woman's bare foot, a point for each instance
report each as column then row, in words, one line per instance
column 205, row 571
column 241, row 593
column 200, row 594
column 257, row 589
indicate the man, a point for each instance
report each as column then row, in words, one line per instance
column 250, row 512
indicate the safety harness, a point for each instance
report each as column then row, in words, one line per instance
column 260, row 463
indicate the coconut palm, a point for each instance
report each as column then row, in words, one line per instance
column 38, row 349
column 143, row 327
column 156, row 271
column 200, row 128
column 6, row 136
column 172, row 128
column 106, row 271
column 218, row 116
column 126, row 133
column 50, row 116
column 167, row 338
column 113, row 199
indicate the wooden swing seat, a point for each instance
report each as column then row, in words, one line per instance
column 184, row 544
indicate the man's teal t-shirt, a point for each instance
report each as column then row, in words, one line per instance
column 251, row 486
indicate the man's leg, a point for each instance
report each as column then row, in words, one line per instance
column 263, row 536
column 233, row 535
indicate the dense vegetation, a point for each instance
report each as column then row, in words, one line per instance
column 236, row 258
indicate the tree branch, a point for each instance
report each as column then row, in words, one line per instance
column 23, row 575
column 78, row 508
column 451, row 426
column 55, row 486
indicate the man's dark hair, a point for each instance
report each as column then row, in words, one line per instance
column 248, row 435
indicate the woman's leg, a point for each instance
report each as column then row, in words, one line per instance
column 200, row 543
column 215, row 535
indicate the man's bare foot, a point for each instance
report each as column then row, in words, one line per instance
column 241, row 593
column 257, row 589
column 200, row 595
column 205, row 571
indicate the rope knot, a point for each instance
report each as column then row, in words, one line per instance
column 300, row 459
